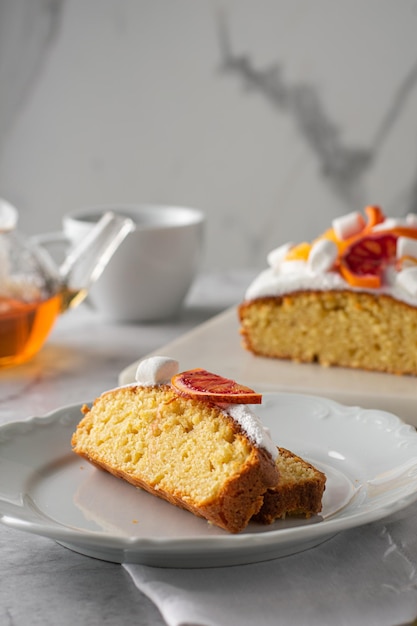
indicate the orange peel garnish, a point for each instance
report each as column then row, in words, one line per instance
column 299, row 252
column 363, row 263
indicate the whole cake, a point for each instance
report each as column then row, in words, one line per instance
column 349, row 298
column 191, row 439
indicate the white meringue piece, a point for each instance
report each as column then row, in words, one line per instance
column 390, row 223
column 277, row 256
column 322, row 256
column 8, row 216
column 348, row 225
column 156, row 370
column 411, row 220
column 406, row 246
column 407, row 279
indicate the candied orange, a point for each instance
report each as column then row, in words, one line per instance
column 299, row 252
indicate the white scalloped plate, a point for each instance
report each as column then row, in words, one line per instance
column 369, row 457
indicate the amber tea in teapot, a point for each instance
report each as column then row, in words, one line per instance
column 33, row 291
column 24, row 326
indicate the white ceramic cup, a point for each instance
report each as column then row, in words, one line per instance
column 150, row 274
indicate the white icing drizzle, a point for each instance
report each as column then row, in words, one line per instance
column 253, row 427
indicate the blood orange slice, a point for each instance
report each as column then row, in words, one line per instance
column 363, row 263
column 199, row 383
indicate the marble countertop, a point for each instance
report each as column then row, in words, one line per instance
column 43, row 583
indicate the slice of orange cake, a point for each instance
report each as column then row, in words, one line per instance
column 189, row 438
column 192, row 439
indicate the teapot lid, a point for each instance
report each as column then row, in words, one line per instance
column 26, row 273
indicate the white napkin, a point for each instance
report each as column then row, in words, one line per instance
column 364, row 576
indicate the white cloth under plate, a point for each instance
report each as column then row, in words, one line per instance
column 362, row 577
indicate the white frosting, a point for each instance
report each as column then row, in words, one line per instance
column 276, row 257
column 289, row 267
column 252, row 426
column 269, row 283
column 157, row 370
column 317, row 275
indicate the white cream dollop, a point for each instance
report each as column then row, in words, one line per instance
column 322, row 257
column 156, row 370
column 407, row 279
column 411, row 220
column 406, row 246
column 253, row 427
column 348, row 225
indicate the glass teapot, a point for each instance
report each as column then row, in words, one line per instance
column 34, row 290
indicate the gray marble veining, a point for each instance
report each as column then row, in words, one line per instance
column 27, row 33
column 132, row 101
column 342, row 167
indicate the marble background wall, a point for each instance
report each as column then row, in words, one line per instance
column 274, row 116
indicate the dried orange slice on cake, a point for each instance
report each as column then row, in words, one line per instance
column 201, row 384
